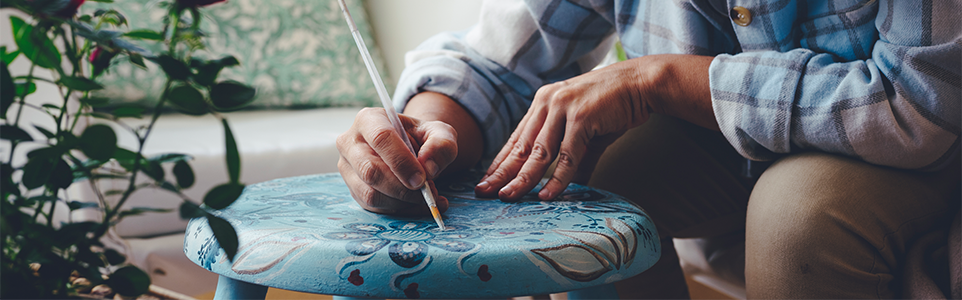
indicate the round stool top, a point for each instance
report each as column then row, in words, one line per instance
column 308, row 234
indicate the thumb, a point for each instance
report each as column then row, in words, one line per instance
column 596, row 148
column 439, row 146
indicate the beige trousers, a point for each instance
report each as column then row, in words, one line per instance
column 816, row 225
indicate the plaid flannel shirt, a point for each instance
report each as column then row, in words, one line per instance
column 874, row 80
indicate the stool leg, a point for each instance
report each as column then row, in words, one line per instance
column 604, row 291
column 229, row 289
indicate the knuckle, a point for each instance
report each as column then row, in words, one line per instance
column 563, row 94
column 521, row 150
column 342, row 141
column 524, row 179
column 540, row 153
column 402, row 192
column 368, row 172
column 367, row 111
column 499, row 173
column 566, row 160
column 369, row 197
column 382, row 137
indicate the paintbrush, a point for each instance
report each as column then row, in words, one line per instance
column 388, row 107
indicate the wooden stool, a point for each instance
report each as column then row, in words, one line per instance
column 307, row 234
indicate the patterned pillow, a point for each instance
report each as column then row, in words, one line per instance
column 297, row 53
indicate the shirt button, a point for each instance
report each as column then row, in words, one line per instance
column 740, row 16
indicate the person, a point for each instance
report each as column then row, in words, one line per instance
column 848, row 110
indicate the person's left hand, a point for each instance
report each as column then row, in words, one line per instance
column 573, row 120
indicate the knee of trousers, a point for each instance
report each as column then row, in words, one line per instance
column 817, row 218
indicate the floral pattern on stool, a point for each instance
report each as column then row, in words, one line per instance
column 307, row 234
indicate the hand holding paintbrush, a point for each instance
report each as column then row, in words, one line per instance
column 388, row 107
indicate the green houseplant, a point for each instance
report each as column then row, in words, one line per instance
column 47, row 258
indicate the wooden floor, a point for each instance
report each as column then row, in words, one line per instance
column 697, row 290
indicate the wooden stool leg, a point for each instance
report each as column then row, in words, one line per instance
column 229, row 289
column 604, row 291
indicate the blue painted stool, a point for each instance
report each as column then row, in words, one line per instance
column 307, row 234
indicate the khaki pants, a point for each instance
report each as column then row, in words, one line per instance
column 817, row 225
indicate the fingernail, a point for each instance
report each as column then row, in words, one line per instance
column 506, row 191
column 432, row 168
column 545, row 194
column 483, row 185
column 416, row 180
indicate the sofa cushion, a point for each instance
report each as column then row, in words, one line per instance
column 297, row 53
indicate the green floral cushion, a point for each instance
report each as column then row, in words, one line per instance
column 297, row 53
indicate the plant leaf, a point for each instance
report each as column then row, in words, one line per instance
column 100, row 115
column 184, row 174
column 145, row 34
column 95, row 101
column 36, row 172
column 114, row 257
column 129, row 281
column 128, row 112
column 188, row 100
column 126, row 158
column 232, row 156
column 50, row 153
column 80, row 83
column 75, row 205
column 7, row 90
column 207, row 73
column 14, row 134
column 228, row 61
column 137, row 59
column 6, row 183
column 98, row 142
column 153, row 170
column 25, row 88
column 225, row 234
column 8, row 57
column 166, row 185
column 62, row 175
column 140, row 210
column 113, row 17
column 89, row 257
column 189, row 210
column 169, row 157
column 174, row 68
column 223, row 195
column 35, row 44
column 69, row 233
column 231, row 95
column 45, row 132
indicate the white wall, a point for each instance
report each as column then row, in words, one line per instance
column 400, row 25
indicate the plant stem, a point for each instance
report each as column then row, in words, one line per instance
column 140, row 150
column 53, row 208
column 174, row 21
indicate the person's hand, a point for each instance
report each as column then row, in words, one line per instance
column 575, row 120
column 382, row 174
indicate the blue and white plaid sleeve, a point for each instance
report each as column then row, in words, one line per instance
column 890, row 98
column 495, row 68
